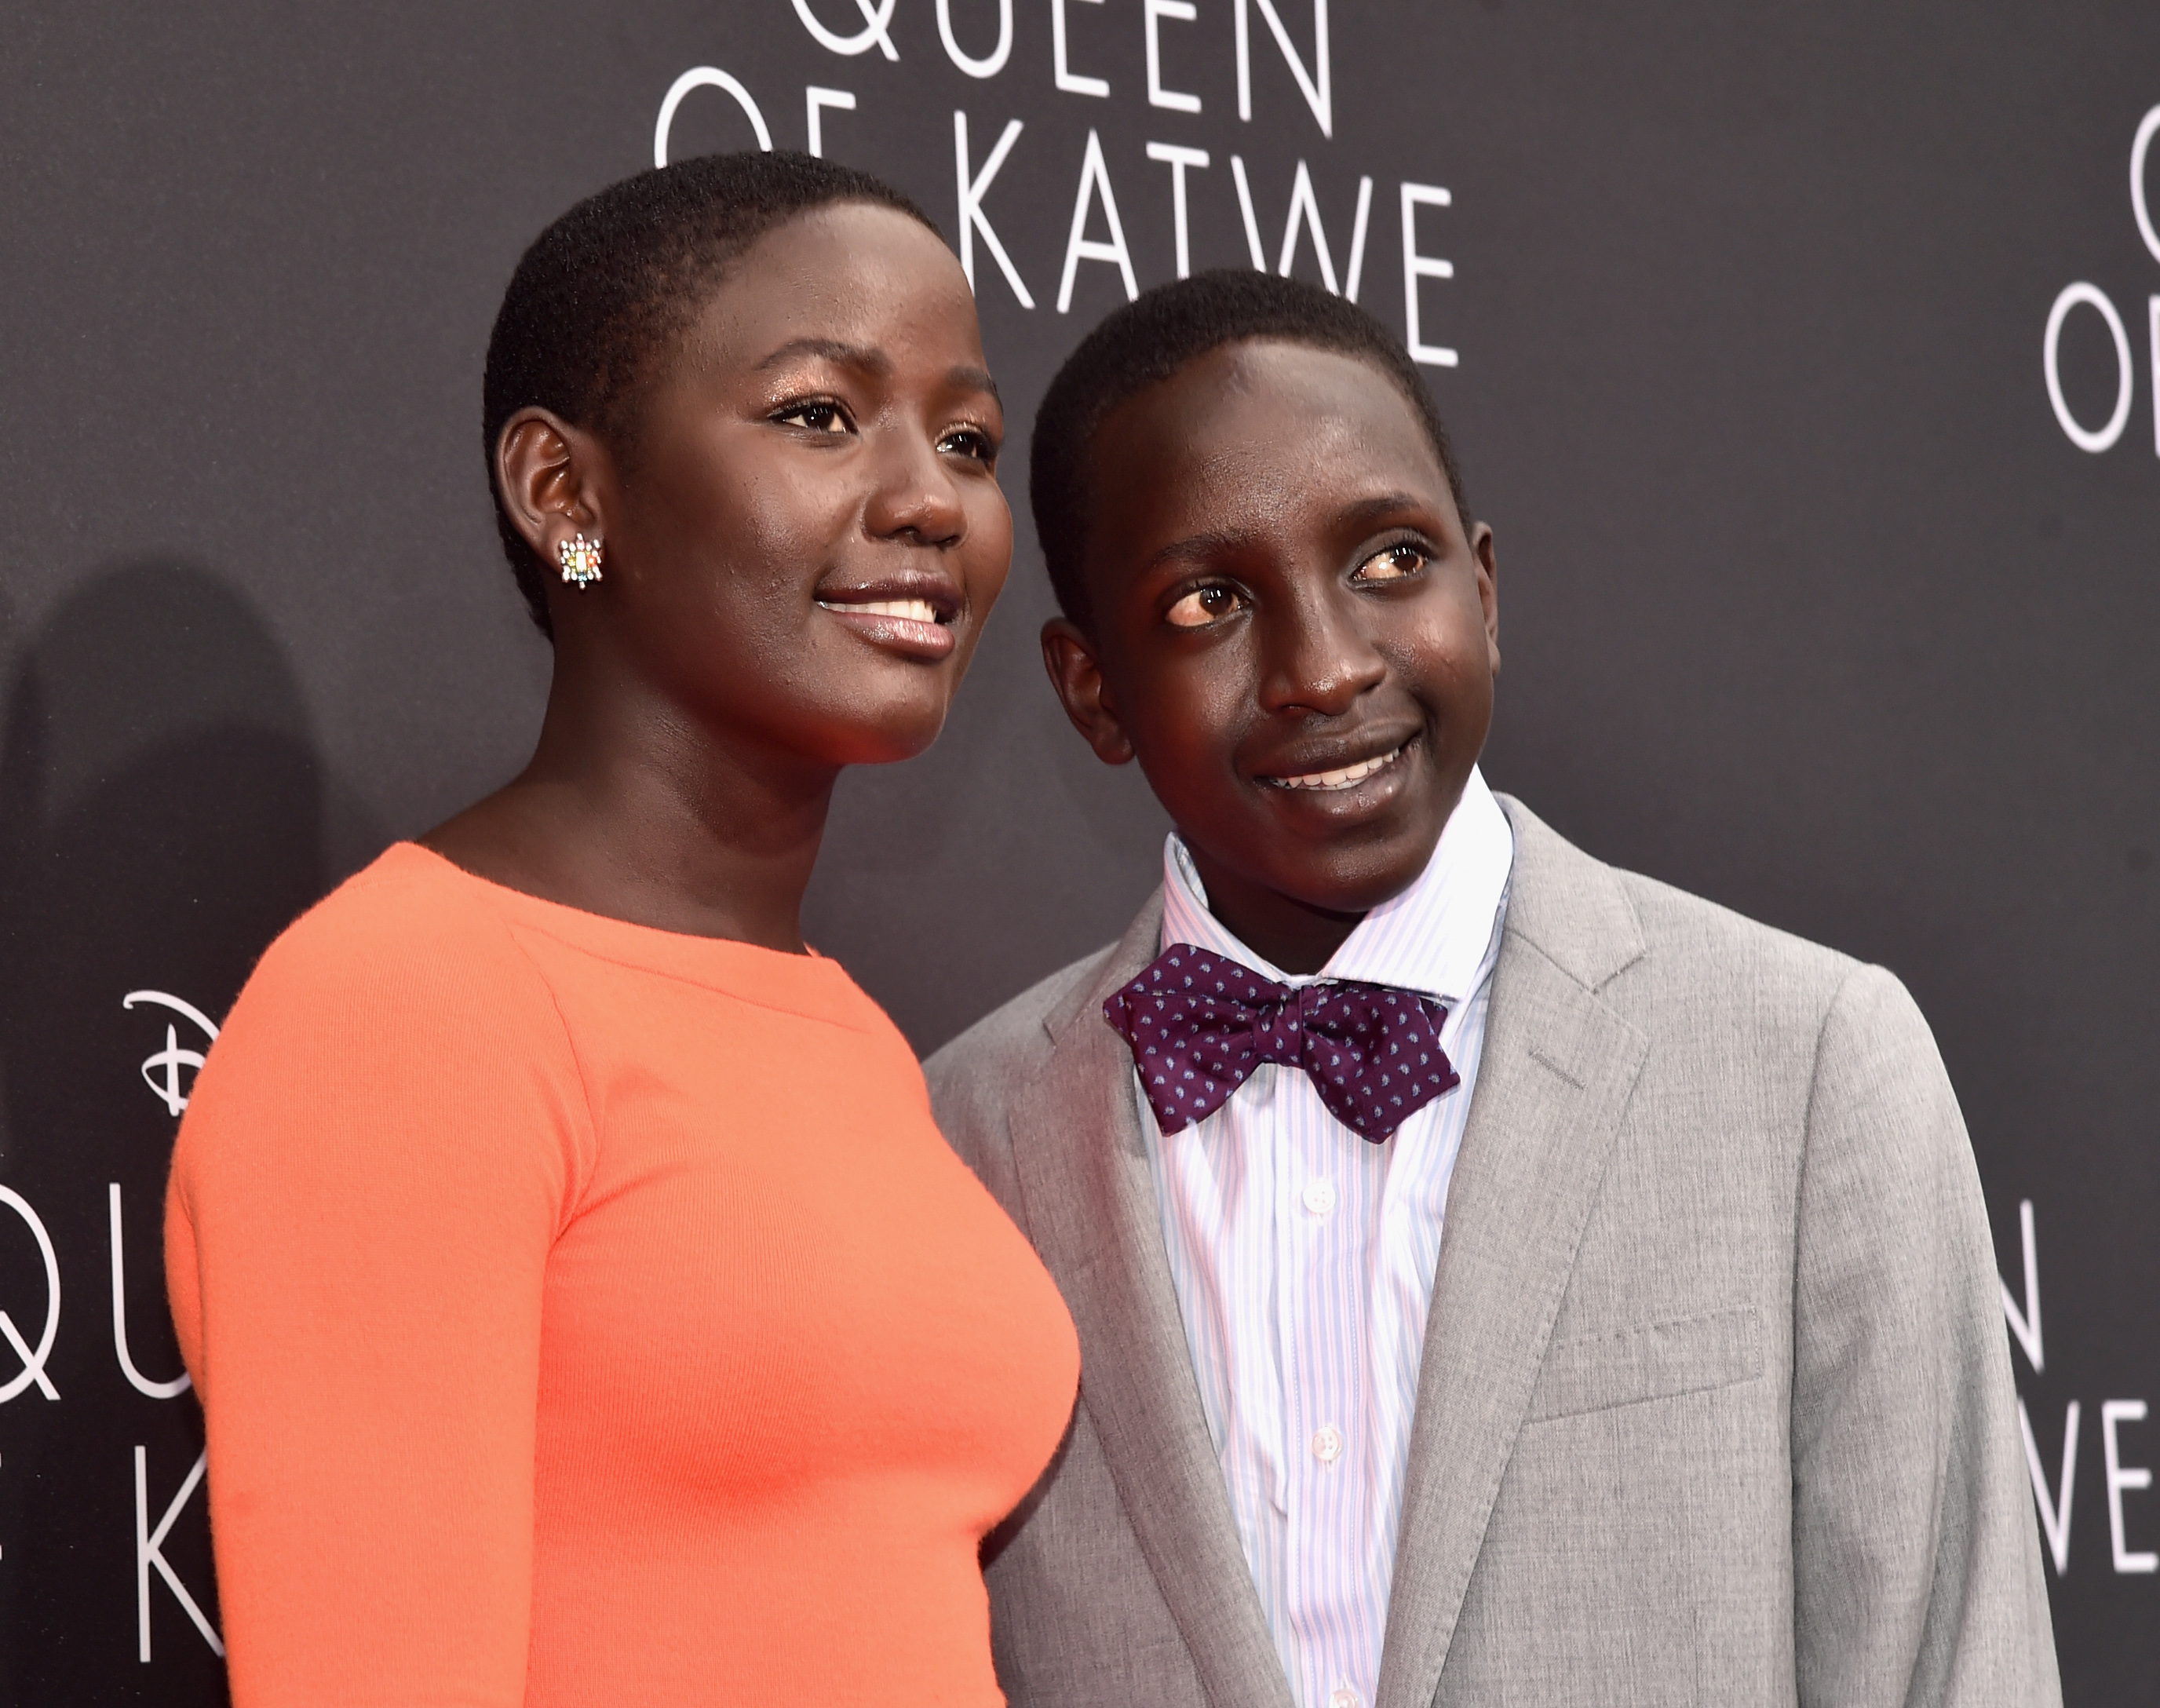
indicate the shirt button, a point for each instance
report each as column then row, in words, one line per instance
column 1342, row 1696
column 1319, row 1196
column 1328, row 1444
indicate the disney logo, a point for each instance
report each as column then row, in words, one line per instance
column 170, row 1061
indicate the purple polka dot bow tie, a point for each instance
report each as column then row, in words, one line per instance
column 1199, row 1023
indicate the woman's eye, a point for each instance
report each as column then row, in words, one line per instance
column 817, row 417
column 1204, row 605
column 970, row 442
column 1394, row 564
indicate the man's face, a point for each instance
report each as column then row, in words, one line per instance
column 1291, row 632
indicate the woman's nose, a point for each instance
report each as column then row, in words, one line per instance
column 915, row 498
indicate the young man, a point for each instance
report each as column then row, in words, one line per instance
column 1500, row 1278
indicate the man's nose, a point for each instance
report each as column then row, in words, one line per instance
column 1319, row 657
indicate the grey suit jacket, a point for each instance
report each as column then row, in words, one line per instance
column 1715, row 1404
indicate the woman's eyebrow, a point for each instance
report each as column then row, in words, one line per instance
column 854, row 355
column 962, row 376
column 966, row 376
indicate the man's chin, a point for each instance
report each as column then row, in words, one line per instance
column 1354, row 881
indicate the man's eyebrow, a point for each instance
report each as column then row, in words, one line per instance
column 1210, row 544
column 854, row 355
column 1368, row 511
column 1216, row 542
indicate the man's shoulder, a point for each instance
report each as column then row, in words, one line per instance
column 1735, row 995
column 1008, row 1044
column 1692, row 931
column 1603, row 922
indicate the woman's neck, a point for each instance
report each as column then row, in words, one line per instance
column 629, row 809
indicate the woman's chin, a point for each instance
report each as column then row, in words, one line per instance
column 889, row 740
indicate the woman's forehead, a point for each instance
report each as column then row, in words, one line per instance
column 852, row 272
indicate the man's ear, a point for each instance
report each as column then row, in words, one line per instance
column 548, row 473
column 1077, row 674
column 1489, row 590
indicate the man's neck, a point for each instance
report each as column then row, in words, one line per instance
column 1291, row 935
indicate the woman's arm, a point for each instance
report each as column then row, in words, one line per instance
column 379, row 1152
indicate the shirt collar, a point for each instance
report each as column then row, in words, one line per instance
column 1433, row 938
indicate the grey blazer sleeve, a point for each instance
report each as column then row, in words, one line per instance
column 967, row 1105
column 1916, row 1574
column 972, row 1078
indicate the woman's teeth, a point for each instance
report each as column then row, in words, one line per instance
column 914, row 610
column 1342, row 779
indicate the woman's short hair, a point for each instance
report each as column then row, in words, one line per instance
column 1149, row 339
column 617, row 279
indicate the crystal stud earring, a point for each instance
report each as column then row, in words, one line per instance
column 581, row 561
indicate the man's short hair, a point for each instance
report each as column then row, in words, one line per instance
column 1146, row 342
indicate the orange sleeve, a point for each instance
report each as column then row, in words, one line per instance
column 378, row 1154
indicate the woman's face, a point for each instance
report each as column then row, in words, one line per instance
column 807, row 533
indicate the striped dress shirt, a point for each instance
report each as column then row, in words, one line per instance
column 1303, row 1259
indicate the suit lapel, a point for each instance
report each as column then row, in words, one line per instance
column 1557, row 1070
column 1091, row 1209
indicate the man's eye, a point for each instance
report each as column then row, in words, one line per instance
column 1204, row 605
column 817, row 417
column 1394, row 564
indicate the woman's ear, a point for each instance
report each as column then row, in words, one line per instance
column 1077, row 674
column 548, row 471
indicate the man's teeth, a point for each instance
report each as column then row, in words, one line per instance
column 916, row 611
column 1341, row 779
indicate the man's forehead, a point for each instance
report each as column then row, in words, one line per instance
column 1257, row 451
column 1270, row 406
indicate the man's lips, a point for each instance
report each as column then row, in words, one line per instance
column 1346, row 775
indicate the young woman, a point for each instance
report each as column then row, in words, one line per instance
column 584, row 1307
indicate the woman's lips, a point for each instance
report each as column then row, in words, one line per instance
column 909, row 627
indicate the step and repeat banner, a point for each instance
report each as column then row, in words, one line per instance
column 1806, row 361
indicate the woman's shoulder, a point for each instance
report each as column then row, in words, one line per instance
column 409, row 903
column 408, row 936
column 401, row 1002
column 393, row 1042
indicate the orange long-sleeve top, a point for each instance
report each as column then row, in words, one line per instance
column 588, row 1313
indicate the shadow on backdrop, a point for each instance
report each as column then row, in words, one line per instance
column 160, row 823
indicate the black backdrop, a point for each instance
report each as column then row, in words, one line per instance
column 1816, row 601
